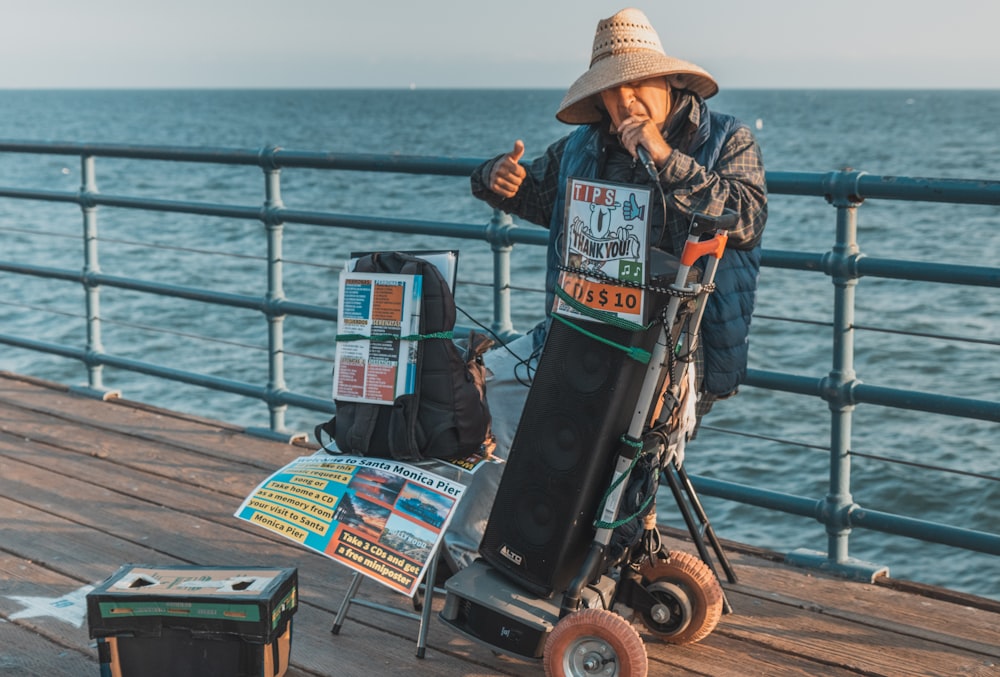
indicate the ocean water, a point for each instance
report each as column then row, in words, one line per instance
column 943, row 134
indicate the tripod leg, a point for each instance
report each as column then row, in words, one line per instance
column 709, row 531
column 346, row 604
column 696, row 535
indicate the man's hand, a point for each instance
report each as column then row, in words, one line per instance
column 638, row 130
column 506, row 175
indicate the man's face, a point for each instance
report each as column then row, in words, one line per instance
column 648, row 98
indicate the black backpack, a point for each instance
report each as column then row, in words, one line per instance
column 447, row 416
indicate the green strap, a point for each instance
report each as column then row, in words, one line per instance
column 637, row 354
column 390, row 337
column 601, row 524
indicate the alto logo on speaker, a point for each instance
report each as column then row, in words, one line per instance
column 511, row 555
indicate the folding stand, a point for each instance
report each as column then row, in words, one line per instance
column 680, row 484
column 420, row 604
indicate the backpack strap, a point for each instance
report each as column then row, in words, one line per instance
column 328, row 427
column 360, row 433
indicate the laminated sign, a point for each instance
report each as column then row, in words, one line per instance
column 605, row 251
column 375, row 361
column 382, row 518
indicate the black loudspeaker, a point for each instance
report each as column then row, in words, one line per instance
column 562, row 458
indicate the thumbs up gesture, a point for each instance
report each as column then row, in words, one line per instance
column 631, row 209
column 507, row 175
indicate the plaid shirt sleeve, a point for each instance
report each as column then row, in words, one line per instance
column 537, row 195
column 737, row 183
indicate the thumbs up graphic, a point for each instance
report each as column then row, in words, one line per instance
column 631, row 209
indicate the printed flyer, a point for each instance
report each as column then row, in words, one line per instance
column 605, row 239
column 372, row 362
column 380, row 517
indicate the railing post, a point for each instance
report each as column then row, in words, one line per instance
column 841, row 264
column 270, row 216
column 498, row 235
column 91, row 267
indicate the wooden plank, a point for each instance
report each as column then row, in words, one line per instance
column 962, row 626
column 852, row 645
column 29, row 604
column 25, row 653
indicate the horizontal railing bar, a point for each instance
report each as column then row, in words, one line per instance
column 920, row 271
column 409, row 164
column 42, row 271
column 867, row 266
column 869, row 394
column 258, row 303
column 306, row 310
column 920, row 189
column 861, row 185
column 789, row 260
column 789, row 383
column 326, row 406
column 762, row 498
column 930, row 402
column 924, row 530
column 235, row 156
column 40, row 195
column 192, row 378
column 146, row 204
column 178, row 206
column 874, row 520
column 44, row 347
column 265, row 157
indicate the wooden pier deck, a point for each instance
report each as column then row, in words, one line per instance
column 86, row 486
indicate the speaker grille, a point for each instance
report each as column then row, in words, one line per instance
column 560, row 462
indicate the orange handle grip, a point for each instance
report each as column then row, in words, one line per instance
column 695, row 250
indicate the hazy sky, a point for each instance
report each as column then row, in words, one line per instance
column 473, row 43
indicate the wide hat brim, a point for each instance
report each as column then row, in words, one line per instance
column 582, row 103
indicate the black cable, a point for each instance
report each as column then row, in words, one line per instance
column 521, row 361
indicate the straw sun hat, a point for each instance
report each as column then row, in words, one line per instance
column 626, row 49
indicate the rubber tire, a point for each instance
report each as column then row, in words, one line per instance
column 601, row 630
column 702, row 589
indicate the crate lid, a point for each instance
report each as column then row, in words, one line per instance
column 140, row 600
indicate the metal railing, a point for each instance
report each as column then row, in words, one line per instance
column 844, row 264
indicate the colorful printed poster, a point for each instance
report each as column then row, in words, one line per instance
column 382, row 518
column 605, row 249
column 374, row 362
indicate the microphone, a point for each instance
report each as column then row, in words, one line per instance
column 647, row 162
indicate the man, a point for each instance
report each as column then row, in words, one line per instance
column 635, row 100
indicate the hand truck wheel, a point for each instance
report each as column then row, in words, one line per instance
column 592, row 643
